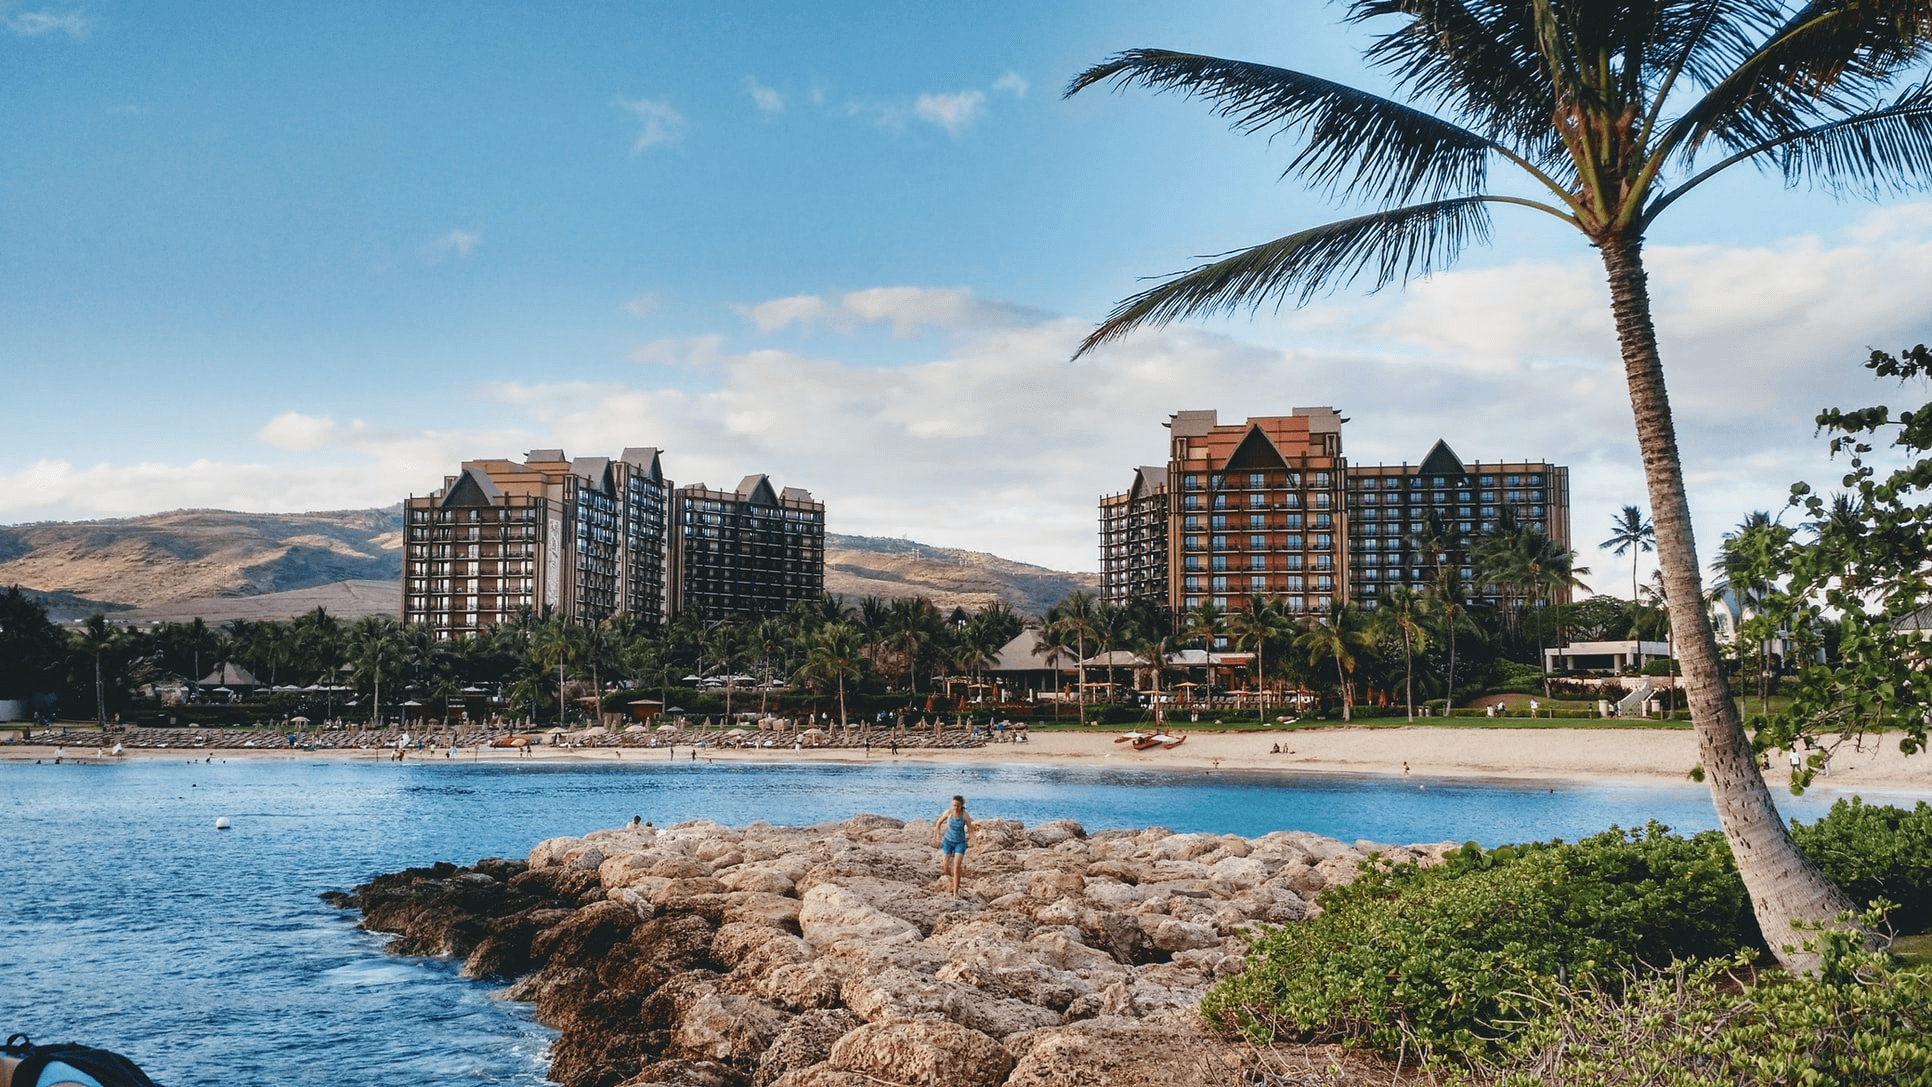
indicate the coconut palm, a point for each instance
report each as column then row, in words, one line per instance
column 1403, row 613
column 834, row 655
column 94, row 639
column 1072, row 623
column 1204, row 625
column 1610, row 111
column 557, row 643
column 1341, row 635
column 1630, row 532
column 1258, row 621
column 375, row 645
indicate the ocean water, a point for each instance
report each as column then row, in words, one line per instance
column 208, row 958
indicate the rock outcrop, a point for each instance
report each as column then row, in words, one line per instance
column 832, row 956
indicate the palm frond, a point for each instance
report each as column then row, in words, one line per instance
column 1828, row 59
column 1356, row 144
column 1397, row 244
column 1885, row 150
column 1478, row 58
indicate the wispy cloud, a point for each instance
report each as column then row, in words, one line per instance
column 77, row 25
column 643, row 305
column 907, row 309
column 295, row 430
column 954, row 112
column 1013, row 83
column 769, row 101
column 460, row 242
column 658, row 122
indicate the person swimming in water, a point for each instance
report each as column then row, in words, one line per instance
column 949, row 832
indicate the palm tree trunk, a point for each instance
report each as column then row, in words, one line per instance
column 1408, row 675
column 1347, row 699
column 1785, row 887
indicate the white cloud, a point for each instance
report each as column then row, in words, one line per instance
column 460, row 242
column 658, row 122
column 953, row 112
column 1013, row 83
column 643, row 305
column 992, row 439
column 297, row 431
column 33, row 24
column 906, row 309
column 768, row 101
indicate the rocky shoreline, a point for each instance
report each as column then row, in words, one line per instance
column 830, row 956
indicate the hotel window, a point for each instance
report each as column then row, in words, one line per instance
column 1257, row 583
column 1536, row 496
column 1512, row 481
column 1536, row 481
column 1216, row 481
column 1292, row 522
column 1324, row 541
column 1218, row 521
column 1323, row 520
column 1489, row 511
column 1218, row 562
column 1192, row 602
column 1218, row 543
column 1294, row 479
column 1321, row 479
column 1294, row 583
column 1292, row 543
column 1368, row 515
column 1191, row 543
column 1220, row 501
column 1190, row 501
column 1257, row 520
column 1191, row 584
column 1324, row 500
column 1191, row 482
column 1191, row 522
column 1324, row 562
column 1256, row 481
column 1294, row 604
column 1190, row 562
column 1257, row 562
column 1257, row 543
column 1462, row 511
column 1220, row 584
column 1291, row 561
column 1371, row 559
column 1324, row 583
column 1291, row 501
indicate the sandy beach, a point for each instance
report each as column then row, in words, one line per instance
column 1534, row 753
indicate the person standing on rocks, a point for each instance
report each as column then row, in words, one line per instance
column 949, row 833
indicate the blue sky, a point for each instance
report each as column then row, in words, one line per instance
column 278, row 256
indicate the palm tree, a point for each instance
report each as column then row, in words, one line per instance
column 834, row 655
column 1340, row 635
column 1630, row 532
column 1204, row 625
column 1611, row 111
column 1072, row 623
column 912, row 622
column 375, row 647
column 1402, row 612
column 95, row 638
column 557, row 643
column 1251, row 626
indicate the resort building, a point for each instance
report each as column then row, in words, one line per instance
column 1133, row 539
column 749, row 552
column 592, row 537
column 1271, row 506
column 1392, row 507
column 585, row 538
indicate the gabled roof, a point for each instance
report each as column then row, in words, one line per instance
column 1018, row 655
column 796, row 494
column 756, row 490
column 593, row 471
column 544, row 456
column 230, row 675
column 1255, row 453
column 1192, row 424
column 1148, row 479
column 646, row 458
column 473, row 488
column 1442, row 461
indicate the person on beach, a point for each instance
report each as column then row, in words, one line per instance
column 949, row 834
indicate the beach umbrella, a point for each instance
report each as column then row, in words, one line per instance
column 738, row 732
column 298, row 720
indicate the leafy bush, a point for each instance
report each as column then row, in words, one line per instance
column 1443, row 959
column 1873, row 852
column 1662, row 667
column 1864, row 1022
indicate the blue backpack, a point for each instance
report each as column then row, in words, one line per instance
column 107, row 1069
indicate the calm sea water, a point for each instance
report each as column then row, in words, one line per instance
column 207, row 957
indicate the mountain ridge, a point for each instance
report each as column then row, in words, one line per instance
column 224, row 564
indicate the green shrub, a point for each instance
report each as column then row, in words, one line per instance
column 1865, row 1022
column 1442, row 960
column 1874, row 852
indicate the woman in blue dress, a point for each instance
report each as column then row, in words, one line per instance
column 949, row 834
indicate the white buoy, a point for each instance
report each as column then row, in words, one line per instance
column 221, row 822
